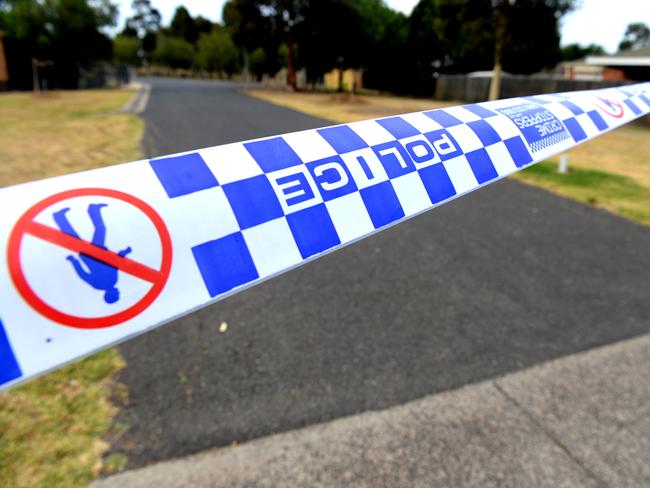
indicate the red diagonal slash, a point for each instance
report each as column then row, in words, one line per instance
column 80, row 246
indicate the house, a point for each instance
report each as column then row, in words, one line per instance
column 633, row 64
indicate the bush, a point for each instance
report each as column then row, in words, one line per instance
column 173, row 52
column 217, row 52
column 125, row 50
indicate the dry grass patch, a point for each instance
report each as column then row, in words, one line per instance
column 342, row 108
column 51, row 429
column 64, row 132
column 624, row 151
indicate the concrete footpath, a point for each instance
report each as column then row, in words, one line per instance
column 582, row 420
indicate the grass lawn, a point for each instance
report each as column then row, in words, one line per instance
column 343, row 108
column 64, row 132
column 51, row 429
column 611, row 171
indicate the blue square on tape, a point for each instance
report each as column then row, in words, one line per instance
column 342, row 138
column 253, row 201
column 518, row 151
column 382, row 204
column 273, row 154
column 485, row 132
column 481, row 165
column 181, row 175
column 598, row 120
column 633, row 107
column 575, row 129
column 573, row 107
column 225, row 263
column 9, row 369
column 437, row 182
column 443, row 118
column 313, row 230
column 398, row 127
column 482, row 112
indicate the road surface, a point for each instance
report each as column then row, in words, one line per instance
column 505, row 278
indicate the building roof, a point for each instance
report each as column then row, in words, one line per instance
column 632, row 57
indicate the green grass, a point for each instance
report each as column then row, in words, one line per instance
column 51, row 429
column 619, row 194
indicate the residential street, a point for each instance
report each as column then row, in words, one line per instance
column 501, row 280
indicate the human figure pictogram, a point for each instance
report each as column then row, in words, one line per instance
column 97, row 274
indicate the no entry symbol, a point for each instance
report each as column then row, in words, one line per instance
column 91, row 263
column 610, row 107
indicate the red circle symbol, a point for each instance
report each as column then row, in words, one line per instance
column 610, row 107
column 26, row 225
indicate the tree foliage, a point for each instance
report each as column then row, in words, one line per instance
column 65, row 33
column 571, row 52
column 396, row 52
column 216, row 51
column 173, row 52
column 125, row 50
column 637, row 36
column 184, row 26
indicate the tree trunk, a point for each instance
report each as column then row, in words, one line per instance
column 291, row 65
column 499, row 38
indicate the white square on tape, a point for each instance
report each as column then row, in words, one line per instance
column 411, row 193
column 421, row 122
column 465, row 137
column 461, row 174
column 309, row 145
column 371, row 132
column 505, row 127
column 350, row 217
column 272, row 246
column 587, row 125
column 199, row 217
column 231, row 162
column 501, row 159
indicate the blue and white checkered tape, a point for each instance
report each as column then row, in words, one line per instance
column 97, row 257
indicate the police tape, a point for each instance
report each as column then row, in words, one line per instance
column 97, row 257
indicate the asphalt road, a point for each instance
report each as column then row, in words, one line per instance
column 505, row 278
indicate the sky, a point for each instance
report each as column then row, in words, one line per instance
column 597, row 21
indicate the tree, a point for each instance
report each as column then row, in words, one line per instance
column 173, row 52
column 182, row 26
column 250, row 30
column 448, row 36
column 257, row 63
column 532, row 36
column 286, row 16
column 125, row 50
column 145, row 20
column 571, row 52
column 145, row 24
column 329, row 36
column 383, row 46
column 66, row 33
column 637, row 36
column 217, row 52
